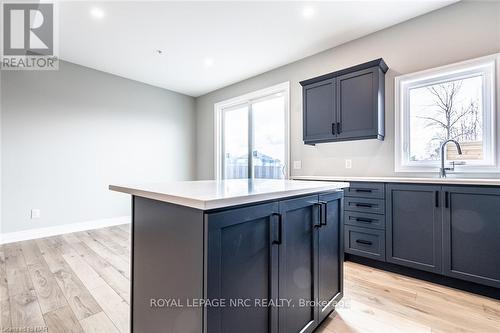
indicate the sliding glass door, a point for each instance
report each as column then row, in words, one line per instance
column 235, row 142
column 254, row 139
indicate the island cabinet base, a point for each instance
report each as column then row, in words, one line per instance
column 266, row 267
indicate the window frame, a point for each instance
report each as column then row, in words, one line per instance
column 221, row 107
column 487, row 67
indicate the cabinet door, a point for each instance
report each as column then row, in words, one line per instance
column 413, row 226
column 471, row 234
column 243, row 265
column 319, row 111
column 330, row 254
column 298, row 264
column 358, row 105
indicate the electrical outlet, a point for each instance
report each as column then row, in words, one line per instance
column 297, row 165
column 35, row 213
column 348, row 164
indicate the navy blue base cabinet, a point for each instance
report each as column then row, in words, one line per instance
column 289, row 249
column 242, row 264
column 364, row 218
column 447, row 230
column 471, row 234
column 414, row 226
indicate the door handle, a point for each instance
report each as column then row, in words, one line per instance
column 325, row 213
column 277, row 239
column 339, row 129
column 320, row 215
column 436, row 198
column 333, row 128
column 362, row 241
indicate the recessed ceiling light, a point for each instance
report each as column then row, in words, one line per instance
column 308, row 12
column 159, row 52
column 97, row 13
column 209, row 62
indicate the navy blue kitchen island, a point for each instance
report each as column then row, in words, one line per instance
column 236, row 255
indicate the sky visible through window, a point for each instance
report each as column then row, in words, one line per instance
column 449, row 110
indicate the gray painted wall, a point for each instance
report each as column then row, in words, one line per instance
column 455, row 33
column 68, row 134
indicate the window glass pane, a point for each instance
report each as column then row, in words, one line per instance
column 449, row 110
column 269, row 138
column 235, row 143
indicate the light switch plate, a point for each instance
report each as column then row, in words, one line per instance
column 348, row 164
column 297, row 165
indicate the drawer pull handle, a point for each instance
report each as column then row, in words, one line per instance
column 364, row 190
column 361, row 219
column 364, row 205
column 362, row 241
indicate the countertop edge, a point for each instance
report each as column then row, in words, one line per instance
column 224, row 202
column 409, row 180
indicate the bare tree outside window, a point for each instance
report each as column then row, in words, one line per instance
column 448, row 110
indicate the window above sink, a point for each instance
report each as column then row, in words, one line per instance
column 451, row 102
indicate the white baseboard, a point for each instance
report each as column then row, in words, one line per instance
column 17, row 236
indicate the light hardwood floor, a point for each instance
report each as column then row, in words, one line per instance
column 80, row 283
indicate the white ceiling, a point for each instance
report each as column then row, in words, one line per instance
column 237, row 39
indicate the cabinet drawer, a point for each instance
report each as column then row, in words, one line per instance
column 365, row 220
column 366, row 190
column 365, row 205
column 369, row 243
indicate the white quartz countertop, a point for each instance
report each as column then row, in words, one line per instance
column 211, row 194
column 421, row 180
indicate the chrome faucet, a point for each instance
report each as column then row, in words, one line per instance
column 442, row 170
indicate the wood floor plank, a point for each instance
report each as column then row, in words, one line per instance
column 48, row 291
column 125, row 227
column 108, row 273
column 109, row 240
column 114, row 307
column 5, row 313
column 79, row 299
column 121, row 234
column 62, row 320
column 18, row 279
column 4, row 293
column 121, row 265
column 98, row 323
column 51, row 255
column 25, row 311
column 31, row 252
column 4, row 289
column 89, row 277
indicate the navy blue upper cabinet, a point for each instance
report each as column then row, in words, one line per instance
column 345, row 105
column 319, row 99
column 360, row 105
column 471, row 234
column 414, row 226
